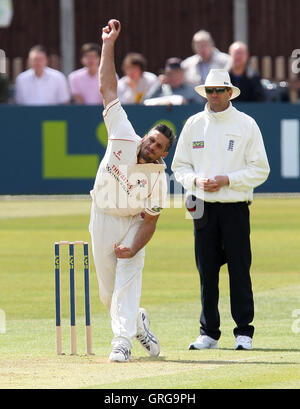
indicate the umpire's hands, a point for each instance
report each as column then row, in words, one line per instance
column 208, row 185
column 212, row 185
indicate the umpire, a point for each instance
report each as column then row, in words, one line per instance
column 220, row 158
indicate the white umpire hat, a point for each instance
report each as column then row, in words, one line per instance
column 218, row 78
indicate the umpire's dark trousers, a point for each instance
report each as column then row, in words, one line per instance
column 223, row 236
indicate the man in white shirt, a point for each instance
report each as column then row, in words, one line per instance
column 136, row 82
column 220, row 158
column 41, row 85
column 206, row 57
column 128, row 195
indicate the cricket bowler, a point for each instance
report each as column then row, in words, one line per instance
column 128, row 195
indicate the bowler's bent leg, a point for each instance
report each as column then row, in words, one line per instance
column 127, row 292
column 101, row 228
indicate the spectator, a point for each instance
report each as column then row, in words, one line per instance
column 243, row 76
column 4, row 89
column 84, row 82
column 173, row 83
column 206, row 57
column 137, row 82
column 40, row 84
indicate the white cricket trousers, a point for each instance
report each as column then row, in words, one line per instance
column 120, row 280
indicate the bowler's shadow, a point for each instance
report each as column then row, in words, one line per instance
column 265, row 349
column 224, row 362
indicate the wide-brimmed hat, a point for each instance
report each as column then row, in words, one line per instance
column 218, row 78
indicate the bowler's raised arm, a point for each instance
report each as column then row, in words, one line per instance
column 107, row 73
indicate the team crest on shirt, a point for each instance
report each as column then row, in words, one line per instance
column 230, row 145
column 118, row 154
column 142, row 182
column 198, row 144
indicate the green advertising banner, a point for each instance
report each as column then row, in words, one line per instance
column 57, row 150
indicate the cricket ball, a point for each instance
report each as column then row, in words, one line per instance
column 115, row 23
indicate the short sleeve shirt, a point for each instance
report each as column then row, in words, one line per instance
column 86, row 85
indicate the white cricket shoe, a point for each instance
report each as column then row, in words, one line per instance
column 204, row 342
column 147, row 339
column 120, row 352
column 243, row 342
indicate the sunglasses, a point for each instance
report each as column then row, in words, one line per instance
column 219, row 90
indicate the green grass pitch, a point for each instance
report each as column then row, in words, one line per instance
column 28, row 230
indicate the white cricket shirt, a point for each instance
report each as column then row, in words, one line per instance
column 49, row 89
column 223, row 143
column 123, row 187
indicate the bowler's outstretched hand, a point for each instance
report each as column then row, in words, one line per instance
column 107, row 73
column 111, row 31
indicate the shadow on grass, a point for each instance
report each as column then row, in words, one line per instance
column 213, row 362
column 264, row 350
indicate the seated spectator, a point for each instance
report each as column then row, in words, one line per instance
column 41, row 85
column 173, row 83
column 243, row 76
column 206, row 57
column 136, row 81
column 84, row 82
column 4, row 89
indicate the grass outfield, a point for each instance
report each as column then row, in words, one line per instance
column 28, row 230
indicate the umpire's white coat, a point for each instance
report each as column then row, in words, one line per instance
column 223, row 143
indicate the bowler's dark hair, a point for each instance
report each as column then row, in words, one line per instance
column 168, row 133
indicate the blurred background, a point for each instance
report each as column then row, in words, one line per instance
column 157, row 29
column 165, row 49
